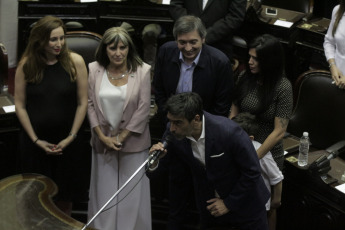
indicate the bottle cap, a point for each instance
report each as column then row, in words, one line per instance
column 343, row 177
column 305, row 134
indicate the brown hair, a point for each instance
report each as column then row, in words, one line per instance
column 34, row 54
column 114, row 35
column 339, row 14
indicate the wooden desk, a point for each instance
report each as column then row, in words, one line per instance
column 308, row 202
column 309, row 44
column 26, row 203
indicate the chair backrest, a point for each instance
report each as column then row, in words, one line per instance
column 3, row 66
column 84, row 43
column 319, row 109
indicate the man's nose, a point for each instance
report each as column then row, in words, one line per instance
column 188, row 47
column 172, row 128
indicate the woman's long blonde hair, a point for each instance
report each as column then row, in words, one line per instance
column 34, row 54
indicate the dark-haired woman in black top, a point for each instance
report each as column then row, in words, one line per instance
column 263, row 90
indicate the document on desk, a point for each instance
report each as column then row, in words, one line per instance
column 9, row 108
column 283, row 23
column 341, row 188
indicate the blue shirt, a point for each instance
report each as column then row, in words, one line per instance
column 185, row 83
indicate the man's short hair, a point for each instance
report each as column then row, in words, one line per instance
column 247, row 122
column 185, row 105
column 187, row 24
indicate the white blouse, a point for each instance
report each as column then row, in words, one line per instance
column 335, row 46
column 112, row 101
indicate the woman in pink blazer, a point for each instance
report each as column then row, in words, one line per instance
column 118, row 110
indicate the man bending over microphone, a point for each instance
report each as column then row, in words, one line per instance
column 229, row 190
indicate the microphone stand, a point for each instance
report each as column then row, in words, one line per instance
column 147, row 161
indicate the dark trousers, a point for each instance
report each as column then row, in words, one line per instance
column 260, row 223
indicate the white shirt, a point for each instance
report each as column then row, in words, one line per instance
column 198, row 146
column 269, row 171
column 112, row 101
column 334, row 46
column 204, row 2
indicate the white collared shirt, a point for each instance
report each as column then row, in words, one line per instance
column 198, row 146
column 204, row 2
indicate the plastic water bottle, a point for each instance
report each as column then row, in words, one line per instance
column 4, row 89
column 303, row 150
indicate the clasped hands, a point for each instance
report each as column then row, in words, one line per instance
column 54, row 149
column 113, row 142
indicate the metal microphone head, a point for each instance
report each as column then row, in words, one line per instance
column 335, row 149
column 333, row 155
column 166, row 140
column 155, row 155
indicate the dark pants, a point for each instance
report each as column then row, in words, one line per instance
column 180, row 194
column 260, row 223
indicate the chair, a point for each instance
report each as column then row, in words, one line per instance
column 319, row 109
column 84, row 43
column 3, row 66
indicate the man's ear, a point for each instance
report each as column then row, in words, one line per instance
column 197, row 117
column 251, row 137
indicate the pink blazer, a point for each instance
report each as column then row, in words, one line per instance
column 135, row 117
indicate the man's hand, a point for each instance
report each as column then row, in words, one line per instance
column 158, row 147
column 217, row 207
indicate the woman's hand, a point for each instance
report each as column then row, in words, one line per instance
column 341, row 83
column 337, row 76
column 112, row 143
column 50, row 149
column 64, row 143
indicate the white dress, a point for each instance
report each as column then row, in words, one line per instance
column 131, row 209
column 335, row 46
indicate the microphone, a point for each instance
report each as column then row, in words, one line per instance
column 324, row 161
column 155, row 155
column 335, row 149
column 333, row 155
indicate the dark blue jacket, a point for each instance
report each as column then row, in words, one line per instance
column 212, row 78
column 221, row 18
column 232, row 169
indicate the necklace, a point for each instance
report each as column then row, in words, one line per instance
column 117, row 78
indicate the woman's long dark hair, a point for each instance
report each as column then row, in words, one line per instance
column 339, row 14
column 270, row 56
